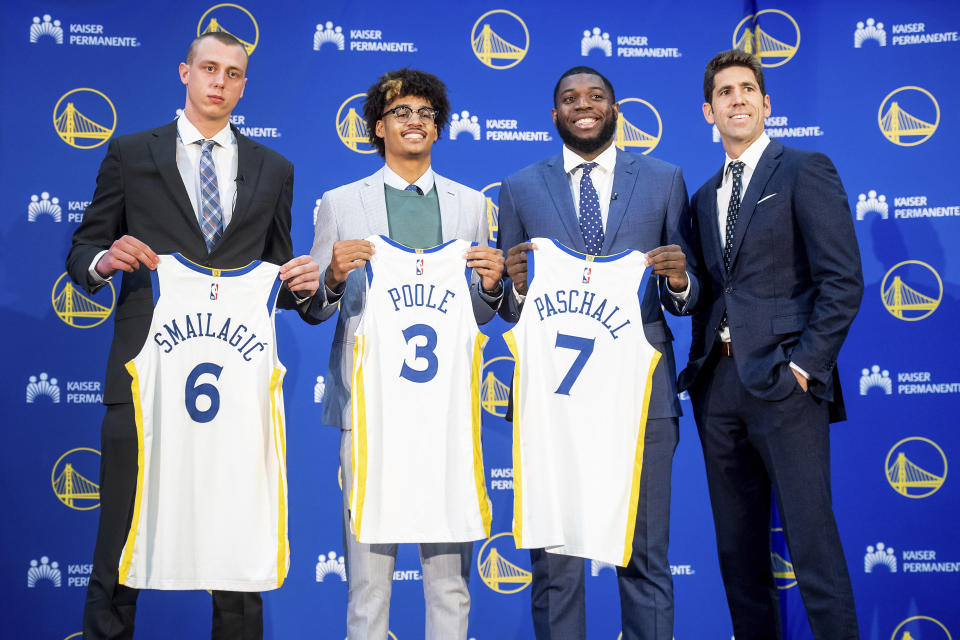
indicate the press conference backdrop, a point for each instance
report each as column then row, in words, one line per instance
column 872, row 84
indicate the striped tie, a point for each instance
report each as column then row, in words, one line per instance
column 211, row 213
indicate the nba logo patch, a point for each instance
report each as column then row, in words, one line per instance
column 419, row 266
column 214, row 290
column 586, row 275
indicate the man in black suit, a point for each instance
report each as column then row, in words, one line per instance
column 774, row 246
column 149, row 200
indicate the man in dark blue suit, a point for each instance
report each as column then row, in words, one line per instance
column 642, row 202
column 778, row 262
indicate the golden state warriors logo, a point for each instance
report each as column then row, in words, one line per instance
column 496, row 38
column 498, row 573
column 782, row 568
column 916, row 467
column 638, row 126
column 75, row 308
column 84, row 118
column 908, row 116
column 232, row 19
column 917, row 627
column 71, row 481
column 495, row 387
column 78, row 634
column 767, row 35
column 911, row 290
column 351, row 127
column 492, row 209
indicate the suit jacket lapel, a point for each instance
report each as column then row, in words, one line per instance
column 558, row 186
column 624, row 179
column 710, row 222
column 374, row 204
column 449, row 211
column 249, row 162
column 765, row 168
column 163, row 148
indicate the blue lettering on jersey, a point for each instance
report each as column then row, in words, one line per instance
column 419, row 295
column 583, row 302
column 204, row 325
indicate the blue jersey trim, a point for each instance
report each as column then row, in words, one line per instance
column 584, row 256
column 369, row 270
column 530, row 267
column 272, row 296
column 404, row 247
column 155, row 285
column 224, row 273
column 467, row 271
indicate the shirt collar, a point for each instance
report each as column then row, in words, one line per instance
column 606, row 160
column 189, row 133
column 750, row 157
column 391, row 179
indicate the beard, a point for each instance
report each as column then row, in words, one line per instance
column 587, row 145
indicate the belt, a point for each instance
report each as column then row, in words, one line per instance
column 726, row 348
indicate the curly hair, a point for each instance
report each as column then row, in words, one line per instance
column 404, row 82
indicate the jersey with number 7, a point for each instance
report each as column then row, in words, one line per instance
column 581, row 387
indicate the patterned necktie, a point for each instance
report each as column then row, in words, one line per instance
column 211, row 213
column 413, row 187
column 733, row 210
column 591, row 224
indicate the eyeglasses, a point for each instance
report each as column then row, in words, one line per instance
column 402, row 113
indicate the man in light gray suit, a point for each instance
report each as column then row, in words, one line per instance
column 405, row 112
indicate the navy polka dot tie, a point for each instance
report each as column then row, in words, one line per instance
column 415, row 188
column 591, row 224
column 733, row 210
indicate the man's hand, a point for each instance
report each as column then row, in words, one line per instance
column 302, row 275
column 347, row 256
column 669, row 261
column 488, row 263
column 800, row 379
column 517, row 265
column 126, row 254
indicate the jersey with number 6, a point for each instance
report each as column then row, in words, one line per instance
column 417, row 462
column 210, row 508
column 581, row 387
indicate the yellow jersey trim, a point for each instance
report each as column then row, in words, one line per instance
column 279, row 430
column 135, row 521
column 359, row 452
column 477, row 427
column 511, row 341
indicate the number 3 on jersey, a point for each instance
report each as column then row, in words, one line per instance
column 423, row 352
column 585, row 347
column 193, row 391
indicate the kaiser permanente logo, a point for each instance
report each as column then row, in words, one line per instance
column 80, row 34
column 44, row 388
column 771, row 35
column 331, row 564
column 904, row 207
column 595, row 41
column 780, row 127
column 882, row 559
column 908, row 116
column 906, row 33
column 465, row 126
column 233, row 19
column 48, row 573
column 908, row 383
column 46, row 206
column 596, row 566
column 332, row 37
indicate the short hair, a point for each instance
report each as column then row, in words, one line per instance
column 731, row 58
column 396, row 84
column 572, row 71
column 220, row 36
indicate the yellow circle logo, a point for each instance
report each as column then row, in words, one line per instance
column 496, row 571
column 494, row 37
column 80, row 118
column 634, row 132
column 492, row 209
column 906, row 288
column 231, row 18
column 916, row 467
column 351, row 127
column 78, row 634
column 921, row 627
column 70, row 478
column 905, row 114
column 75, row 308
column 782, row 568
column 767, row 35
column 494, row 392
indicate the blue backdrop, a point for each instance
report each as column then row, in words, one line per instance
column 872, row 84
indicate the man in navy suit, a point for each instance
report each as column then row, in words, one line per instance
column 778, row 262
column 642, row 202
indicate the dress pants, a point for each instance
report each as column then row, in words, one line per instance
column 445, row 570
column 750, row 446
column 645, row 584
column 110, row 607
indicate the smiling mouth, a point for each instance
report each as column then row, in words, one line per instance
column 586, row 122
column 414, row 134
column 740, row 116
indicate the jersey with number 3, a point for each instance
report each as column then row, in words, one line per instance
column 417, row 462
column 210, row 507
column 582, row 380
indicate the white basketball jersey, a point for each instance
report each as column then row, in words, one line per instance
column 211, row 501
column 417, row 462
column 581, row 388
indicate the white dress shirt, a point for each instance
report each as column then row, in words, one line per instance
column 601, row 175
column 424, row 182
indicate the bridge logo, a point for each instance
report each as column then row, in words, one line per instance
column 921, row 627
column 233, row 19
column 351, row 127
column 782, row 568
column 46, row 28
column 873, row 378
column 331, row 564
column 916, row 467
column 75, row 308
column 463, row 122
column 767, row 34
column 879, row 556
column 72, row 487
column 871, row 30
column 913, row 301
column 328, row 33
column 80, row 118
column 495, row 37
column 44, row 205
column 44, row 571
column 637, row 119
column 40, row 386
column 498, row 573
column 492, row 210
column 871, row 202
column 494, row 392
column 905, row 116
